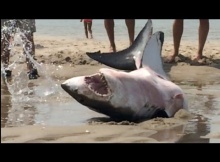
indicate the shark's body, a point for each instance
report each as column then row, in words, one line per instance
column 144, row 93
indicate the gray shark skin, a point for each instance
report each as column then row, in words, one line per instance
column 125, row 59
column 141, row 94
column 134, row 96
column 152, row 54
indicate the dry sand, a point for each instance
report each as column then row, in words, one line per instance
column 70, row 54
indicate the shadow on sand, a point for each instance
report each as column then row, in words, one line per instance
column 205, row 61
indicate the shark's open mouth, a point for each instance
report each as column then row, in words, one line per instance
column 97, row 84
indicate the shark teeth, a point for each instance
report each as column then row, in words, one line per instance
column 98, row 84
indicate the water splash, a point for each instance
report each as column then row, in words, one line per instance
column 20, row 87
column 25, row 93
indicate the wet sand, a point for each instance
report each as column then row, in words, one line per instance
column 100, row 131
column 70, row 56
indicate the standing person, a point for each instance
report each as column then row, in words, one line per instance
column 109, row 26
column 27, row 28
column 87, row 27
column 177, row 34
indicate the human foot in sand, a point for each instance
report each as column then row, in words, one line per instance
column 177, row 34
column 177, row 58
column 198, row 60
column 198, row 57
column 112, row 48
column 170, row 59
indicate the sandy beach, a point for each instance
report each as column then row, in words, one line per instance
column 70, row 54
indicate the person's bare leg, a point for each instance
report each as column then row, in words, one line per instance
column 5, row 50
column 90, row 29
column 28, row 41
column 28, row 45
column 85, row 28
column 130, row 23
column 203, row 33
column 109, row 26
column 5, row 54
column 177, row 34
column 33, row 45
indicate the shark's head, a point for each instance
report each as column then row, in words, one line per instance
column 90, row 87
column 109, row 92
column 94, row 91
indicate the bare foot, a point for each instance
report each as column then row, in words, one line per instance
column 198, row 60
column 112, row 49
column 198, row 57
column 170, row 59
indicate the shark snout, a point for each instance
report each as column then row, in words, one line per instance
column 65, row 87
column 71, row 91
column 74, row 86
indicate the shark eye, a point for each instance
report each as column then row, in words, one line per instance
column 97, row 84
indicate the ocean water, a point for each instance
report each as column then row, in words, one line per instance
column 73, row 28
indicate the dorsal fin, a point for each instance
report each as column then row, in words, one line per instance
column 127, row 58
column 152, row 54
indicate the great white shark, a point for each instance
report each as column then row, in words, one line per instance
column 143, row 93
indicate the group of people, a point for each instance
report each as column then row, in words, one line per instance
column 177, row 34
column 28, row 27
